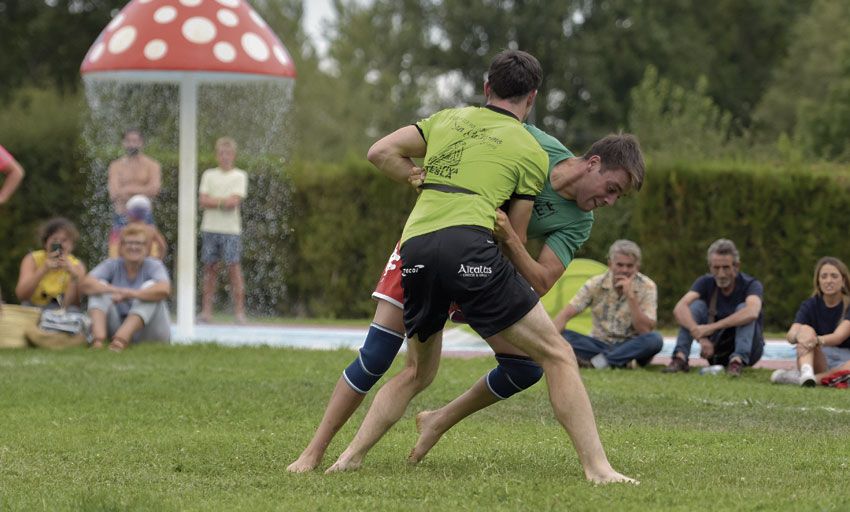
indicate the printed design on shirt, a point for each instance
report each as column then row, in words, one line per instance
column 474, row 270
column 391, row 264
column 470, row 131
column 406, row 271
column 446, row 163
column 543, row 209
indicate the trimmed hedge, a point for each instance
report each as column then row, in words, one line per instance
column 782, row 221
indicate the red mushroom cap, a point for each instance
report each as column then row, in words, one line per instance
column 225, row 36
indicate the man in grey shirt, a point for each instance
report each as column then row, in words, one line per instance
column 127, row 295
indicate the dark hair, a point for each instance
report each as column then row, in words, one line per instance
column 57, row 224
column 620, row 151
column 514, row 74
column 128, row 131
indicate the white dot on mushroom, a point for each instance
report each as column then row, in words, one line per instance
column 225, row 52
column 165, row 14
column 121, row 40
column 255, row 47
column 155, row 49
column 116, row 22
column 227, row 17
column 96, row 52
column 199, row 30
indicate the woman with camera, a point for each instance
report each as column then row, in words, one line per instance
column 50, row 277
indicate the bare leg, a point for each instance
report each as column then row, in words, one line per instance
column 124, row 335
column 210, row 275
column 536, row 335
column 344, row 400
column 342, row 404
column 431, row 425
column 98, row 327
column 237, row 285
column 423, row 360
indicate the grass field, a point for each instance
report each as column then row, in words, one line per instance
column 209, row 428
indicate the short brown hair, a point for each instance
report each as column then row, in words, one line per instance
column 514, row 74
column 58, row 224
column 226, row 141
column 620, row 151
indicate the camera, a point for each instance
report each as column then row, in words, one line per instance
column 56, row 246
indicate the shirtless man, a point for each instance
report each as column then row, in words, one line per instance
column 134, row 173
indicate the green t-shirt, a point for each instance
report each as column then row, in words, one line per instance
column 560, row 221
column 484, row 150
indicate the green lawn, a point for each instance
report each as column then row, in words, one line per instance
column 210, row 428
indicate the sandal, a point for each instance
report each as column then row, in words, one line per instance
column 118, row 345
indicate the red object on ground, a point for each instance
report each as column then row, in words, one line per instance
column 226, row 36
column 836, row 379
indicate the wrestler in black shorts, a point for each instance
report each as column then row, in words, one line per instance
column 461, row 264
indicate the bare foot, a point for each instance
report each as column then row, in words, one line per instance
column 345, row 462
column 304, row 463
column 96, row 344
column 429, row 434
column 205, row 318
column 241, row 319
column 610, row 477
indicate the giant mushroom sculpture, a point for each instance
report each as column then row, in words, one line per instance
column 187, row 42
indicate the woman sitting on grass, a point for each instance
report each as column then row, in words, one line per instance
column 821, row 329
column 50, row 277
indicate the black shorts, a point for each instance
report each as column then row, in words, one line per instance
column 461, row 264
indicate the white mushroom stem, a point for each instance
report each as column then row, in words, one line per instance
column 187, row 208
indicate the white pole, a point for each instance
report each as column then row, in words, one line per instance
column 186, row 209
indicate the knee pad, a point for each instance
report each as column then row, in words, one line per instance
column 375, row 357
column 512, row 375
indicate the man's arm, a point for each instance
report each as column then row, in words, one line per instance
column 682, row 310
column 745, row 315
column 154, row 184
column 14, row 177
column 640, row 320
column 116, row 193
column 393, row 154
column 542, row 273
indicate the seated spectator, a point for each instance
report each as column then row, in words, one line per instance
column 821, row 328
column 139, row 213
column 49, row 277
column 127, row 295
column 723, row 312
column 623, row 303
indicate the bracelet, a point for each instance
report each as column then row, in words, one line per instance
column 819, row 340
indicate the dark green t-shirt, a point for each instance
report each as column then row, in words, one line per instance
column 557, row 219
column 484, row 150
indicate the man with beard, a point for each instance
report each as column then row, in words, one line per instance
column 134, row 173
column 723, row 312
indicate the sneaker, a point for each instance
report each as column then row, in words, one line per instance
column 734, row 368
column 807, row 377
column 599, row 361
column 677, row 364
column 785, row 377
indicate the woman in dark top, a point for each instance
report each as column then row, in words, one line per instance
column 821, row 329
